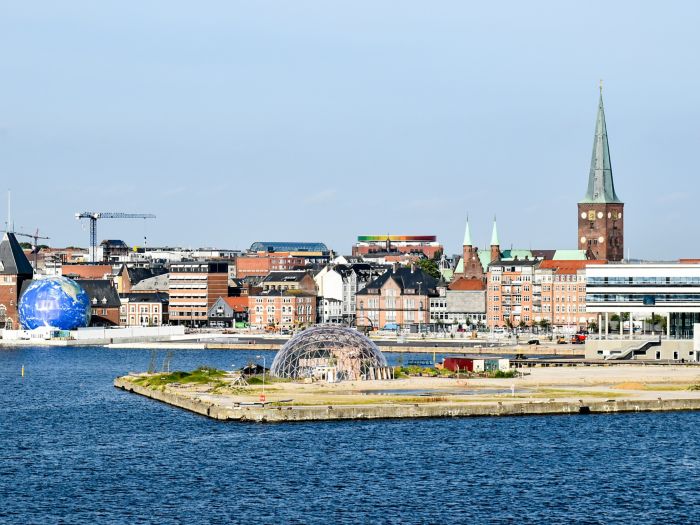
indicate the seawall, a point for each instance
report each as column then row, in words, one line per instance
column 271, row 414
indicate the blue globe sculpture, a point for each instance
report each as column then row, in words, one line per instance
column 57, row 302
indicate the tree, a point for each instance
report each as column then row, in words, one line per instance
column 656, row 320
column 545, row 324
column 593, row 326
column 522, row 324
column 430, row 267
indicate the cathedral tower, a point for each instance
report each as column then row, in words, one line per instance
column 600, row 212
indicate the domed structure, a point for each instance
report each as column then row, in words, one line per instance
column 57, row 302
column 346, row 350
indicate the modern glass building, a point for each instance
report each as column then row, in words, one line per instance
column 266, row 246
column 642, row 290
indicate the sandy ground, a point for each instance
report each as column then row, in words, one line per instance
column 538, row 384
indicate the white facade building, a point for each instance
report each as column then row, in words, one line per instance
column 337, row 287
column 666, row 289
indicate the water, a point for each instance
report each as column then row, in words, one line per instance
column 73, row 449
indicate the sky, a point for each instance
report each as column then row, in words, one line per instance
column 321, row 121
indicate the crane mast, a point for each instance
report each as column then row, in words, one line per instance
column 93, row 216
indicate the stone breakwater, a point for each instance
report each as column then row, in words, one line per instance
column 206, row 406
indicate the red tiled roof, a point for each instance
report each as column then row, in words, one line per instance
column 463, row 284
column 689, row 261
column 87, row 271
column 237, row 303
column 568, row 266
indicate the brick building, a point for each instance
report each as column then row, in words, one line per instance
column 87, row 271
column 509, row 292
column 600, row 219
column 560, row 293
column 282, row 309
column 296, row 280
column 399, row 297
column 104, row 301
column 15, row 269
column 194, row 287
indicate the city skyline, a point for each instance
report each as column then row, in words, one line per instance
column 312, row 122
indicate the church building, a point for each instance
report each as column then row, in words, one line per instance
column 600, row 220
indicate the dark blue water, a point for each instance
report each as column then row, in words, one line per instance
column 73, row 449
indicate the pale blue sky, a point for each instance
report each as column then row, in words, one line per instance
column 321, row 120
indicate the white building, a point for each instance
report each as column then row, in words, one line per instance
column 337, row 286
column 670, row 290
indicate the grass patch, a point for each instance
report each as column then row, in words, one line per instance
column 502, row 374
column 201, row 376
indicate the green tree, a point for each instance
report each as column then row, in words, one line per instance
column 430, row 267
column 545, row 324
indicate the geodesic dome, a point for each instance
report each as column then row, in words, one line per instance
column 347, row 350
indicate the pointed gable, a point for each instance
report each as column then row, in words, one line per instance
column 13, row 261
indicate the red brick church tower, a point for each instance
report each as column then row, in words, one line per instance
column 472, row 268
column 600, row 212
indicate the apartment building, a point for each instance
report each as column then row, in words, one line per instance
column 398, row 298
column 559, row 294
column 509, row 292
column 194, row 287
column 282, row 309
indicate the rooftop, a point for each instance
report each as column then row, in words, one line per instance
column 283, row 246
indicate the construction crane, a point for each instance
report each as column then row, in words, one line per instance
column 35, row 247
column 95, row 215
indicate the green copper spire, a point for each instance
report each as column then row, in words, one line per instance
column 467, row 235
column 601, row 188
column 494, row 234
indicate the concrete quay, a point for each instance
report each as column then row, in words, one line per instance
column 215, row 408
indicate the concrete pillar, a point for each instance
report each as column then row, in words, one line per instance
column 631, row 327
column 600, row 327
column 607, row 324
column 622, row 325
column 668, row 325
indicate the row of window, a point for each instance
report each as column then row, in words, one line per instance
column 646, row 299
column 623, row 281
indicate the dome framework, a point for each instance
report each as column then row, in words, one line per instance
column 345, row 349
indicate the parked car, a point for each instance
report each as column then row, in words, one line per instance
column 578, row 339
column 561, row 340
column 533, row 342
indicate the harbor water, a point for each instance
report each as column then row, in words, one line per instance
column 73, row 449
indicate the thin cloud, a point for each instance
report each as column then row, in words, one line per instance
column 322, row 197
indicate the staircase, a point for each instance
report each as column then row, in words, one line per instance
column 638, row 348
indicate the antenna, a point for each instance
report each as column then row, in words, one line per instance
column 9, row 211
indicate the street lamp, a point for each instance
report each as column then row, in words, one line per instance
column 262, row 397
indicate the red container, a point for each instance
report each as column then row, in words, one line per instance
column 464, row 364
